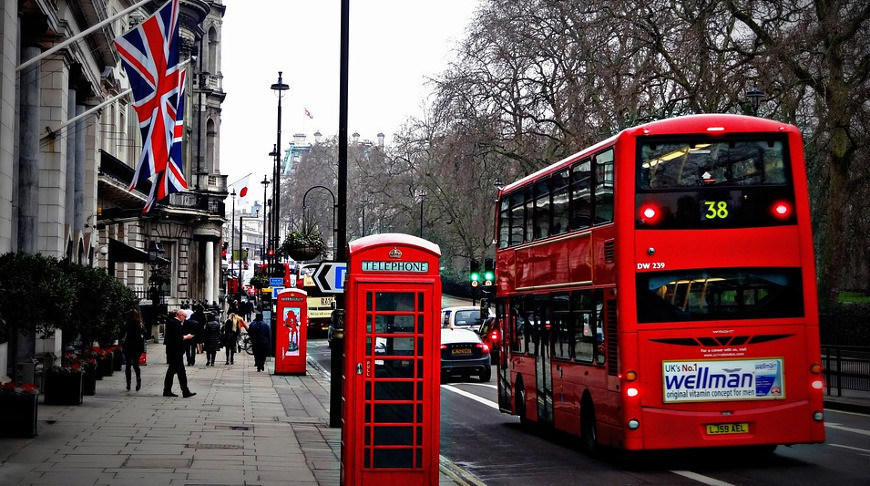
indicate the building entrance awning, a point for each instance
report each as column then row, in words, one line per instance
column 122, row 252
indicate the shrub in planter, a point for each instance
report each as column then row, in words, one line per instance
column 18, row 409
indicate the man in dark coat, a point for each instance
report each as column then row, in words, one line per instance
column 176, row 342
column 259, row 333
column 190, row 326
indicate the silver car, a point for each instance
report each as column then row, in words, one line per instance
column 463, row 353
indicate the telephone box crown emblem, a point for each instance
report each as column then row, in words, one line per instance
column 395, row 253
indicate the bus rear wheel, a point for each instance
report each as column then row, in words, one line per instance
column 588, row 430
column 520, row 405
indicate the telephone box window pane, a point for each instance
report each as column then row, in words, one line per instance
column 419, row 436
column 368, row 324
column 419, row 368
column 394, row 436
column 419, row 413
column 419, row 345
column 389, row 458
column 421, row 322
column 401, row 324
column 368, row 390
column 367, row 457
column 394, row 368
column 420, row 301
column 395, row 301
column 394, row 390
column 394, row 413
column 368, row 409
column 369, row 301
column 368, row 435
column 399, row 346
column 419, row 390
column 368, row 346
column 419, row 454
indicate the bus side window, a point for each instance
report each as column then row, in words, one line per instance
column 581, row 195
column 542, row 209
column 584, row 332
column 560, row 202
column 518, row 329
column 563, row 332
column 604, row 187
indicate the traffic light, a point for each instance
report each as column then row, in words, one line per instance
column 488, row 272
column 271, row 252
column 474, row 273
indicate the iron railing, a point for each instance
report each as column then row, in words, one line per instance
column 846, row 368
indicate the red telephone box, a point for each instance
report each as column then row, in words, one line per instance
column 291, row 326
column 391, row 378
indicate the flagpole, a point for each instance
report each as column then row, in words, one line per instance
column 81, row 34
column 89, row 111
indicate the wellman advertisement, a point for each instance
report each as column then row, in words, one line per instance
column 714, row 380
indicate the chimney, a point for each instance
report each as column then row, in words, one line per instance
column 355, row 137
column 317, row 136
column 381, row 137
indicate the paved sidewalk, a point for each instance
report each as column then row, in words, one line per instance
column 242, row 427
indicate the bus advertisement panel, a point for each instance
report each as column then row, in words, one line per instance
column 657, row 290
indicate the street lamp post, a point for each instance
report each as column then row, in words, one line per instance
column 422, row 198
column 279, row 88
column 232, row 235
column 754, row 94
column 334, row 226
column 155, row 250
column 265, row 183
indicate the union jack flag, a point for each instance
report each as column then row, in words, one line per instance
column 172, row 179
column 150, row 55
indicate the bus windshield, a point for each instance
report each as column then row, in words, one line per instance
column 705, row 163
column 712, row 294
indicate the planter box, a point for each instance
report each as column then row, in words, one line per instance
column 63, row 388
column 89, row 380
column 18, row 415
column 117, row 360
column 105, row 365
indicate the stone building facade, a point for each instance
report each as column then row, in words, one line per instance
column 69, row 143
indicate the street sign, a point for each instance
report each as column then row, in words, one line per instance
column 275, row 291
column 276, row 281
column 329, row 277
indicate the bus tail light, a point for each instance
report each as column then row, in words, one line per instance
column 632, row 390
column 817, row 381
column 782, row 210
column 650, row 214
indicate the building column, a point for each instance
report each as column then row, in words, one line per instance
column 28, row 161
column 209, row 272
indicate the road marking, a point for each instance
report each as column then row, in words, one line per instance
column 837, row 426
column 485, row 385
column 866, row 451
column 472, row 396
column 457, row 474
column 701, row 478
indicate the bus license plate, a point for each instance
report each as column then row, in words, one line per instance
column 461, row 351
column 719, row 429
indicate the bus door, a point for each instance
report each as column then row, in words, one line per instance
column 505, row 326
column 539, row 318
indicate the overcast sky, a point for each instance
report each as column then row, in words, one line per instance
column 394, row 46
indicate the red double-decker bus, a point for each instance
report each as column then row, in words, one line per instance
column 657, row 290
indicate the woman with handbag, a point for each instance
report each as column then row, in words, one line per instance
column 232, row 329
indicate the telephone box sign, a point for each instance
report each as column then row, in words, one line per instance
column 399, row 267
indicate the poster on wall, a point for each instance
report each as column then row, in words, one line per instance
column 292, row 322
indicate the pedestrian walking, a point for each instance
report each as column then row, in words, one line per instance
column 133, row 345
column 200, row 318
column 211, row 338
column 190, row 326
column 175, row 341
column 232, row 329
column 260, row 335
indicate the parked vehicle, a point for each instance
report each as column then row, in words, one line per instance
column 463, row 353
